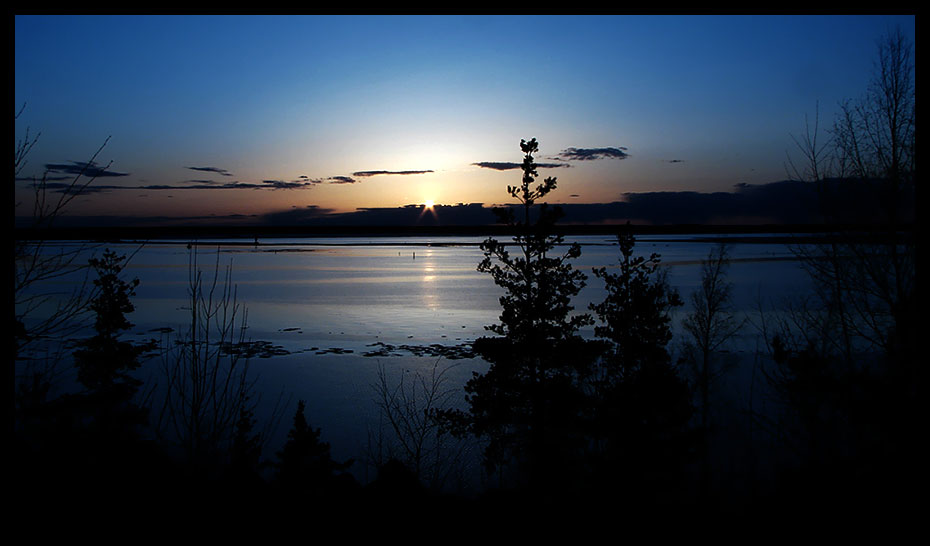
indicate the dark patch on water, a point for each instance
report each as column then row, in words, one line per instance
column 335, row 350
column 149, row 349
column 250, row 349
column 266, row 349
column 450, row 352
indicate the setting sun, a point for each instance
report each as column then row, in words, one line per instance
column 428, row 204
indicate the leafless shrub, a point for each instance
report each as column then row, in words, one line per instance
column 208, row 382
column 407, row 409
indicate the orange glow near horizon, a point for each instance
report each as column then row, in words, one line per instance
column 428, row 206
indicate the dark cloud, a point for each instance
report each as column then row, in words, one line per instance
column 508, row 165
column 587, row 154
column 62, row 187
column 46, row 178
column 341, row 180
column 217, row 170
column 207, row 220
column 375, row 173
column 67, row 187
column 674, row 161
column 285, row 185
column 784, row 202
column 498, row 165
column 89, row 169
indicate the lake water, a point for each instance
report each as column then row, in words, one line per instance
column 334, row 309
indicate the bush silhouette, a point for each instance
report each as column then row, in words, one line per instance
column 305, row 468
column 640, row 406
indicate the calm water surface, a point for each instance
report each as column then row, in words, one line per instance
column 337, row 308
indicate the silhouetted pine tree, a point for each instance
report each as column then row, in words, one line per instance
column 640, row 406
column 305, row 466
column 92, row 437
column 528, row 403
column 104, row 361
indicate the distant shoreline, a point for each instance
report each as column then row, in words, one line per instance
column 248, row 234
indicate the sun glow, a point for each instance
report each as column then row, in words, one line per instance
column 428, row 203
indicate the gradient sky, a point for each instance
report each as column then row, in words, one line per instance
column 348, row 112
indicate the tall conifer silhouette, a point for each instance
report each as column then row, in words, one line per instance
column 527, row 403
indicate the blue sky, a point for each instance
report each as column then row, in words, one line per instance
column 263, row 114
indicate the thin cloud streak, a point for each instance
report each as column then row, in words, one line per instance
column 89, row 169
column 217, row 170
column 509, row 165
column 264, row 185
column 376, row 173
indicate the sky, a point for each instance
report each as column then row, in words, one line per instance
column 216, row 116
